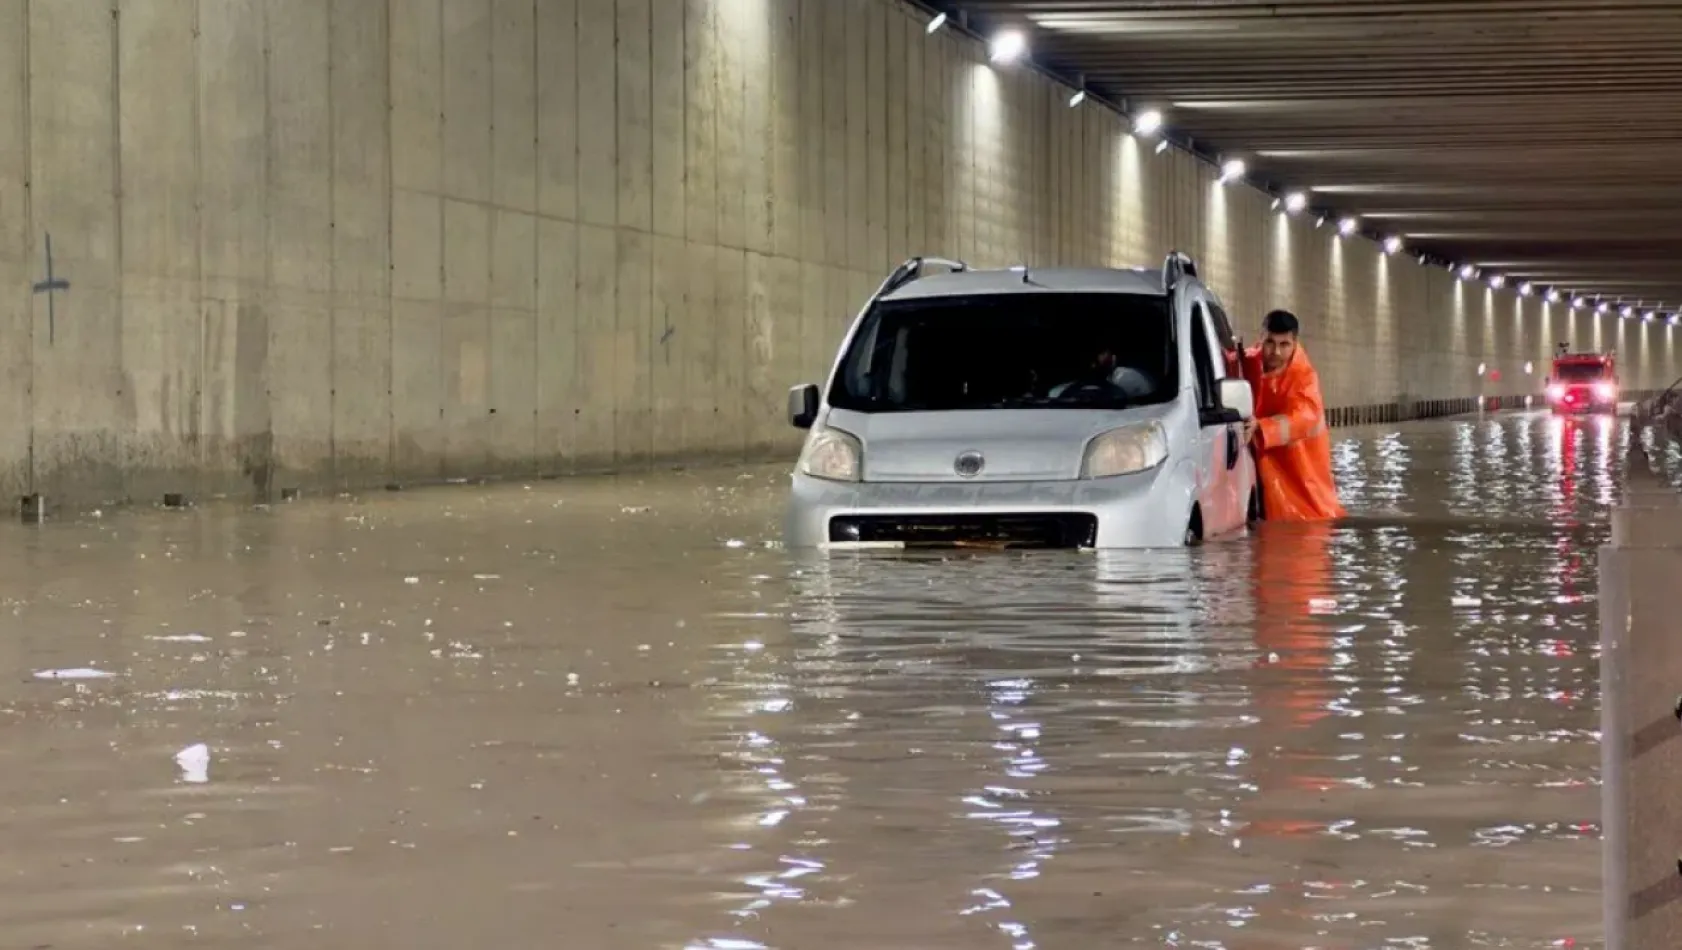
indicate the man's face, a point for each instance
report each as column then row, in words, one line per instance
column 1277, row 350
column 1106, row 360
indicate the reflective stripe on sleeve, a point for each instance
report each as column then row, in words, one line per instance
column 1282, row 430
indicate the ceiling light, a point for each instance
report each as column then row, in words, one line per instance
column 936, row 23
column 1673, row 319
column 1162, row 146
column 1603, row 308
column 1009, row 46
column 1497, row 281
column 1347, row 226
column 1320, row 221
column 1077, row 98
column 1577, row 303
column 1276, row 203
column 1467, row 272
column 1526, row 289
column 1296, row 201
column 1648, row 317
column 1627, row 312
column 1147, row 122
column 1232, row 170
column 1553, row 295
column 1392, row 244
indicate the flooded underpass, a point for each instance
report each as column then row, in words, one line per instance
column 601, row 713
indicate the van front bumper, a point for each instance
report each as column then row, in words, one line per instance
column 1147, row 510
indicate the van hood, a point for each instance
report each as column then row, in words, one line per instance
column 1016, row 445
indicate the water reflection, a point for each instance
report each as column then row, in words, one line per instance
column 1303, row 740
column 614, row 711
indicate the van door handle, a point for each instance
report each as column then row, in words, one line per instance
column 1232, row 448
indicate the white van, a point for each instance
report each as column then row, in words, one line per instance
column 1085, row 408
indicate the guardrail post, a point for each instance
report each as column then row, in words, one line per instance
column 1641, row 715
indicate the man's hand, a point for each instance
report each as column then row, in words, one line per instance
column 1252, row 432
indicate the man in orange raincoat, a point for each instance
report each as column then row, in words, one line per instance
column 1293, row 445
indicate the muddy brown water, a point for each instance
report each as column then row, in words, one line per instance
column 614, row 713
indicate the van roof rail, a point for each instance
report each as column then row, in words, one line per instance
column 1176, row 267
column 913, row 269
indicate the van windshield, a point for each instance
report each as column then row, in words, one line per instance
column 1011, row 351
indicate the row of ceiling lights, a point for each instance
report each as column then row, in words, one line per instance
column 1008, row 46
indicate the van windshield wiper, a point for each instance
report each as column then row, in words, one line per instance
column 1072, row 401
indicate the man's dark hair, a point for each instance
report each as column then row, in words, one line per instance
column 1281, row 321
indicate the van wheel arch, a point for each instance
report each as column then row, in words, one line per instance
column 1194, row 526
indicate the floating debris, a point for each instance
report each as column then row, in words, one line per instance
column 77, row 673
column 194, row 762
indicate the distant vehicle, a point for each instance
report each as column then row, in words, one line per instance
column 1076, row 408
column 1583, row 382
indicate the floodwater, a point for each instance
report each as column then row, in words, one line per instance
column 599, row 714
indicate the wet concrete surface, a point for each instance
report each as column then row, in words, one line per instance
column 605, row 713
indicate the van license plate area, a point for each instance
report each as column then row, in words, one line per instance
column 1000, row 531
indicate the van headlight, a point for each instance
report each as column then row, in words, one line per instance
column 832, row 455
column 1125, row 451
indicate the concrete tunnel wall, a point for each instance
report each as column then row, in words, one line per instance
column 337, row 243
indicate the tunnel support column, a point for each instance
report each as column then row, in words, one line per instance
column 1641, row 720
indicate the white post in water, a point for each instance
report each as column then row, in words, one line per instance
column 1641, row 715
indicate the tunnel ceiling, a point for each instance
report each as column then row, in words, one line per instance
column 1541, row 139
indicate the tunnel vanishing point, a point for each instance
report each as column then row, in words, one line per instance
column 258, row 245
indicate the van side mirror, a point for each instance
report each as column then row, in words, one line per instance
column 1237, row 398
column 803, row 405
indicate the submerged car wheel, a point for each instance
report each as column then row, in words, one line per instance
column 1194, row 527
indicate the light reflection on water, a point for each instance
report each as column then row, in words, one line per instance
column 1309, row 738
column 616, row 711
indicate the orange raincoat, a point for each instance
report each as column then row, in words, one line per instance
column 1294, row 463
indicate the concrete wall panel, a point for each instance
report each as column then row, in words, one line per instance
column 324, row 244
column 558, row 393
column 557, row 107
column 81, row 413
column 598, row 286
column 465, row 362
column 695, row 347
column 512, row 390
column 730, row 38
column 17, row 258
column 468, row 98
column 632, row 333
column 668, row 119
column 417, row 390
column 158, row 161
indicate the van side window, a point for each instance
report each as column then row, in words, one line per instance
column 1203, row 360
column 1224, row 336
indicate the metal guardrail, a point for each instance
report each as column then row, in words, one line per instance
column 1641, row 691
